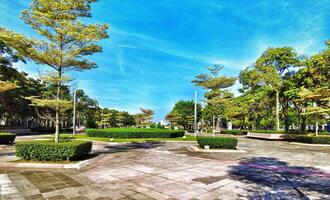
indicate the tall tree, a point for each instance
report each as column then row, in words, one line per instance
column 269, row 71
column 217, row 97
column 67, row 40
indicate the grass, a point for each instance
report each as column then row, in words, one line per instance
column 121, row 140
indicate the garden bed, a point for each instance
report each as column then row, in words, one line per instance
column 134, row 133
column 266, row 136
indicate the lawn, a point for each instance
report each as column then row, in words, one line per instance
column 86, row 137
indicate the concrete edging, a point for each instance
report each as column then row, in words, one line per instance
column 78, row 165
column 197, row 149
column 312, row 145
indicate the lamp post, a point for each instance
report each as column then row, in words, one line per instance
column 74, row 112
column 195, row 115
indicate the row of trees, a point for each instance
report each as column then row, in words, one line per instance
column 280, row 90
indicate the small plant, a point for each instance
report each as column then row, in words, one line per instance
column 52, row 151
column 7, row 138
column 217, row 142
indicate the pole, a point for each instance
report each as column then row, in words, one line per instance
column 277, row 112
column 74, row 111
column 195, row 115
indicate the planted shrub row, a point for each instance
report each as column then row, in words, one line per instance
column 7, row 138
column 313, row 139
column 51, row 151
column 217, row 142
column 134, row 133
column 234, row 132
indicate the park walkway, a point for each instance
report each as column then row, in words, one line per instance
column 269, row 170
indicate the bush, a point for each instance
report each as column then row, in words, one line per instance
column 50, row 130
column 234, row 132
column 217, row 142
column 134, row 133
column 51, row 151
column 313, row 139
column 7, row 138
column 267, row 131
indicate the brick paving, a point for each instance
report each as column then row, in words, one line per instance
column 269, row 170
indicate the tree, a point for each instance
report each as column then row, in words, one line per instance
column 145, row 116
column 217, row 97
column 269, row 71
column 182, row 114
column 67, row 41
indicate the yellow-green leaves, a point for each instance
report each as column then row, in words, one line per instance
column 6, row 86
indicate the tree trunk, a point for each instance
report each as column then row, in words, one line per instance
column 303, row 124
column 317, row 128
column 57, row 111
column 286, row 116
column 277, row 128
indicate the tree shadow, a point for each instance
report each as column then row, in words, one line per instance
column 270, row 178
column 129, row 146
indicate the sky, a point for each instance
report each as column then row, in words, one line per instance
column 156, row 48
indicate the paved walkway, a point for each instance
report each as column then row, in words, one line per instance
column 270, row 170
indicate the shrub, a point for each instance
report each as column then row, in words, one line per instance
column 50, row 130
column 217, row 142
column 313, row 139
column 51, row 151
column 134, row 133
column 267, row 131
column 7, row 138
column 234, row 132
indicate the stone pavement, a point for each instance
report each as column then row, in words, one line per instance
column 270, row 170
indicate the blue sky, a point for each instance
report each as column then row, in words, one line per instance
column 157, row 47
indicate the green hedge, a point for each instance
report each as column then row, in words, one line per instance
column 267, row 131
column 234, row 132
column 217, row 142
column 135, row 133
column 313, row 139
column 51, row 151
column 7, row 138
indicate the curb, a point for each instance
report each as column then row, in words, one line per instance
column 197, row 149
column 79, row 165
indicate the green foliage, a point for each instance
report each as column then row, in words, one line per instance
column 7, row 138
column 217, row 142
column 64, row 46
column 134, row 133
column 268, row 131
column 51, row 151
column 313, row 139
column 234, row 132
column 182, row 114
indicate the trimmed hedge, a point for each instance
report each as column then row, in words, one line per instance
column 50, row 130
column 134, row 133
column 7, row 138
column 51, row 151
column 267, row 131
column 313, row 139
column 217, row 142
column 234, row 132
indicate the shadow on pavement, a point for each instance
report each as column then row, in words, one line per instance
column 130, row 146
column 274, row 179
